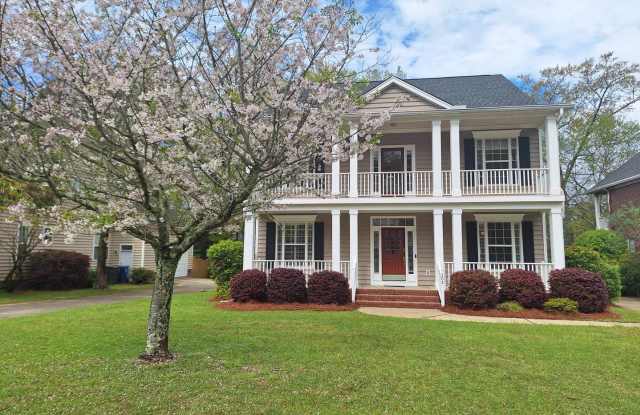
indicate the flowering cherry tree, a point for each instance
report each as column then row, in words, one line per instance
column 163, row 118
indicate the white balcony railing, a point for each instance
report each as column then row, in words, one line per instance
column 444, row 271
column 402, row 183
column 505, row 182
column 420, row 183
column 307, row 267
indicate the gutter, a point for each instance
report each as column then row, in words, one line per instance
column 598, row 189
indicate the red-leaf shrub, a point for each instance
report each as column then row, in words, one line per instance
column 523, row 286
column 328, row 287
column 249, row 285
column 473, row 289
column 585, row 287
column 57, row 270
column 286, row 285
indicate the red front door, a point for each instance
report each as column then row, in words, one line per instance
column 393, row 251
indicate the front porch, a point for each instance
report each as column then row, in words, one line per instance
column 419, row 249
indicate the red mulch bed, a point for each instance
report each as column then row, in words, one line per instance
column 532, row 313
column 257, row 306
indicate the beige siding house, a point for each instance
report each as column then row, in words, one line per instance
column 122, row 250
column 466, row 176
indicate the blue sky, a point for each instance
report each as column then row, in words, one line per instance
column 466, row 37
column 462, row 37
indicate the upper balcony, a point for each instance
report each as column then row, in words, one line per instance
column 482, row 144
column 420, row 183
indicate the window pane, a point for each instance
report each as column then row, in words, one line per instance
column 500, row 241
column 376, row 251
column 410, row 252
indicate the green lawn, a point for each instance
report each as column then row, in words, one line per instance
column 83, row 361
column 27, row 296
column 627, row 315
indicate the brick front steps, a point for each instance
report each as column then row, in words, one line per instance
column 397, row 298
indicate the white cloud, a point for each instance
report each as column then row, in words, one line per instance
column 469, row 37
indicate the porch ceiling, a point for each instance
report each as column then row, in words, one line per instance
column 473, row 119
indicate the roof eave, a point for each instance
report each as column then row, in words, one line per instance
column 461, row 111
column 600, row 188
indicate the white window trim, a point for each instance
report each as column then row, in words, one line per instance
column 309, row 232
column 514, row 224
column 411, row 280
column 480, row 144
column 405, row 147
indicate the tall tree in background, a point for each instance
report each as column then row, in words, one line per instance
column 596, row 135
column 165, row 117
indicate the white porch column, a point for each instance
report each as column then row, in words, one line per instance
column 553, row 154
column 353, row 251
column 454, row 135
column 557, row 238
column 335, row 171
column 438, row 238
column 353, row 164
column 436, row 157
column 249, row 240
column 335, row 240
column 596, row 206
column 456, row 238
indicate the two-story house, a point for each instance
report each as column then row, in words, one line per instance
column 466, row 176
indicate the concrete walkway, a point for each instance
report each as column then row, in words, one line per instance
column 431, row 314
column 632, row 303
column 183, row 285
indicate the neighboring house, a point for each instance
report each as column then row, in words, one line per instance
column 122, row 249
column 466, row 176
column 618, row 189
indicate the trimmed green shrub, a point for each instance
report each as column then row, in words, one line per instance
column 225, row 260
column 56, row 270
column 328, row 287
column 473, row 289
column 510, row 306
column 562, row 305
column 630, row 273
column 222, row 292
column 286, row 285
column 587, row 288
column 141, row 276
column 249, row 285
column 583, row 257
column 609, row 244
column 589, row 259
column 522, row 286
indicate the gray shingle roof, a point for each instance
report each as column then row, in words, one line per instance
column 472, row 91
column 628, row 170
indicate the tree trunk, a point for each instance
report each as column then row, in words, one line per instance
column 157, row 348
column 102, row 281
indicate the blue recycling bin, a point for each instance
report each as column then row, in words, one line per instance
column 123, row 275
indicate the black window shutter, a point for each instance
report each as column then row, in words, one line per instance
column 469, row 161
column 271, row 241
column 318, row 241
column 469, row 154
column 472, row 241
column 524, row 150
column 528, row 248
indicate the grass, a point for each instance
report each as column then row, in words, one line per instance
column 627, row 315
column 293, row 362
column 28, row 296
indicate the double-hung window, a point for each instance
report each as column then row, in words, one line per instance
column 497, row 153
column 500, row 242
column 294, row 241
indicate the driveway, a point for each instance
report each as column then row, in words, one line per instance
column 632, row 303
column 183, row 285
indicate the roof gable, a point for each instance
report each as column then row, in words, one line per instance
column 411, row 89
column 475, row 91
